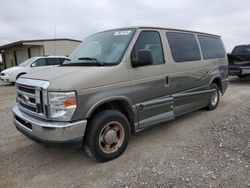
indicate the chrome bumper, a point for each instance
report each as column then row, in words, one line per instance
column 48, row 131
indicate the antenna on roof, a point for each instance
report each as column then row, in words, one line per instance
column 55, row 41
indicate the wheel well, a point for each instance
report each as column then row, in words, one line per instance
column 218, row 82
column 20, row 74
column 120, row 106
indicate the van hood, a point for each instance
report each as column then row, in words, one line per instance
column 79, row 77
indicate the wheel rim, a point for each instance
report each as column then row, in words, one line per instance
column 111, row 137
column 214, row 98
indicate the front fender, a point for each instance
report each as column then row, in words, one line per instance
column 106, row 100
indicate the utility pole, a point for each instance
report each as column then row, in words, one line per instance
column 55, row 41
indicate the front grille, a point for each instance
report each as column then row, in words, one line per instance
column 30, row 99
column 27, row 89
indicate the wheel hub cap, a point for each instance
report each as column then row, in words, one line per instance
column 110, row 137
column 214, row 98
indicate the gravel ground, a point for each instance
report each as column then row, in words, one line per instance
column 200, row 149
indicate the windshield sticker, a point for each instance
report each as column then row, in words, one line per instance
column 122, row 32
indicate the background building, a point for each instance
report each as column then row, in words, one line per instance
column 17, row 52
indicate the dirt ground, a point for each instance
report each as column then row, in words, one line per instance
column 200, row 149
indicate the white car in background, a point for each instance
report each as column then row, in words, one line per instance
column 10, row 75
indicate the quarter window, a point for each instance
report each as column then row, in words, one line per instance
column 211, row 47
column 151, row 41
column 184, row 47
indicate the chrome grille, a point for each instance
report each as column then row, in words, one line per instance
column 30, row 99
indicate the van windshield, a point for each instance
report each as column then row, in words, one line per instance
column 103, row 48
column 27, row 62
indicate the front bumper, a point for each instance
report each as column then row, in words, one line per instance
column 6, row 79
column 48, row 131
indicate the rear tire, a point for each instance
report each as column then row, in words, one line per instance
column 107, row 135
column 214, row 100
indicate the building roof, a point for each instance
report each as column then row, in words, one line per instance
column 21, row 42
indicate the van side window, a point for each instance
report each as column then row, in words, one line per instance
column 211, row 47
column 151, row 41
column 184, row 47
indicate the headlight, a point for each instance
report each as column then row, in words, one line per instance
column 62, row 105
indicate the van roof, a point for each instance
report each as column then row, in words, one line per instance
column 171, row 29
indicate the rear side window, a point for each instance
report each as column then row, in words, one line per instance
column 61, row 61
column 149, row 40
column 184, row 47
column 211, row 47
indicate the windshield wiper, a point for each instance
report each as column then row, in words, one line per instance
column 84, row 63
column 88, row 61
column 92, row 59
column 88, row 58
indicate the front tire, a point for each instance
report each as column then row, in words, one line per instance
column 214, row 100
column 107, row 135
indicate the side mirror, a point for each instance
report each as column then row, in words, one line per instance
column 144, row 58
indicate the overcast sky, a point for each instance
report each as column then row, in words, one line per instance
column 36, row 19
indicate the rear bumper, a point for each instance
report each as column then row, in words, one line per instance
column 49, row 132
column 234, row 72
column 239, row 71
column 245, row 70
